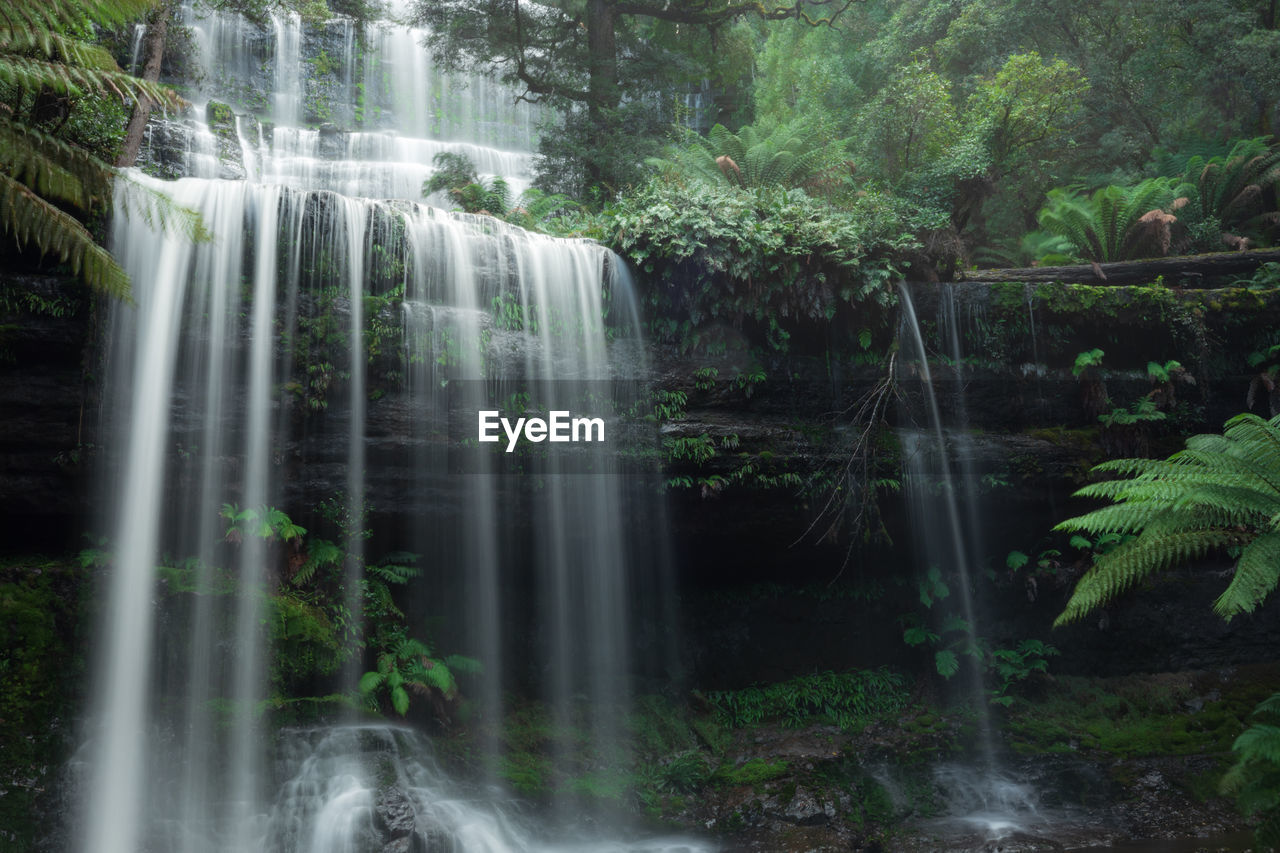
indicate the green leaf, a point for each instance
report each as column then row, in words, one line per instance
column 400, row 700
column 916, row 636
column 371, row 681
column 946, row 663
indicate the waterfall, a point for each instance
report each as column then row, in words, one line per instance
column 940, row 479
column 208, row 424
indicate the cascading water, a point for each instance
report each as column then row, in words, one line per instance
column 204, row 417
column 941, row 483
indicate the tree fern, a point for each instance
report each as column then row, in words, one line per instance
column 1255, row 777
column 788, row 155
column 47, row 185
column 1221, row 492
column 1239, row 189
column 1117, row 223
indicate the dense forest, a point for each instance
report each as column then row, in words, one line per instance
column 936, row 346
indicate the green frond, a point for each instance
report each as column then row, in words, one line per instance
column 1268, row 707
column 394, row 574
column 57, row 47
column 73, row 15
column 52, row 167
column 37, row 74
column 138, row 200
column 437, row 675
column 411, row 648
column 1260, row 741
column 371, row 681
column 1220, row 491
column 1108, row 225
column 31, row 220
column 788, row 155
column 400, row 700
column 1257, row 572
column 1128, row 564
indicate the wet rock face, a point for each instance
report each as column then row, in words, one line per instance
column 175, row 148
column 47, row 417
column 398, row 822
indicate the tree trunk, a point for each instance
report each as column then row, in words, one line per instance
column 153, row 51
column 1188, row 268
column 602, row 85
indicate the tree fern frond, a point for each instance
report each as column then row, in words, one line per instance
column 31, row 220
column 1220, row 491
column 133, row 198
column 437, row 675
column 73, row 15
column 57, row 48
column 1257, row 572
column 411, row 647
column 371, row 681
column 1260, row 741
column 1131, row 562
column 37, row 74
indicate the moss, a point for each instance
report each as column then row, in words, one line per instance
column 42, row 673
column 756, row 771
column 601, row 786
column 526, row 772
column 1138, row 716
column 219, row 116
column 304, row 643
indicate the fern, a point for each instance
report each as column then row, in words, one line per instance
column 42, row 52
column 410, row 665
column 1254, row 779
column 1117, row 223
column 1222, row 491
column 789, row 155
column 1238, row 189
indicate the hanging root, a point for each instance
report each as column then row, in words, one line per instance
column 868, row 413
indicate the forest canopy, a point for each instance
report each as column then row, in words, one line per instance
column 1012, row 128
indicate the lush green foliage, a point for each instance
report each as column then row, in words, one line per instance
column 50, row 183
column 719, row 255
column 849, row 699
column 42, row 677
column 1117, row 223
column 587, row 58
column 788, row 155
column 1237, row 193
column 980, row 108
column 1222, row 493
column 1255, row 777
column 456, row 176
column 411, row 666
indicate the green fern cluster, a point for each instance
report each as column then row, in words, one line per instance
column 1255, row 778
column 1116, row 223
column 789, row 155
column 47, row 185
column 1239, row 189
column 849, row 699
column 411, row 666
column 1221, row 493
column 456, row 176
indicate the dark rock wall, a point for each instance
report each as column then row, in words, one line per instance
column 777, row 579
column 47, row 413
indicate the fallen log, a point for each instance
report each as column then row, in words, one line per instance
column 1180, row 270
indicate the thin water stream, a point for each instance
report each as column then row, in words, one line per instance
column 939, row 479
